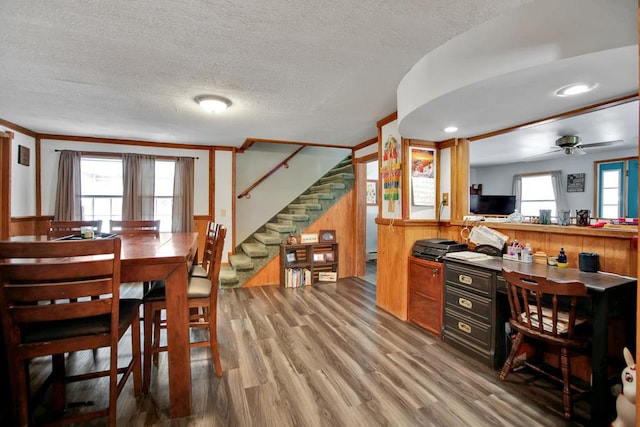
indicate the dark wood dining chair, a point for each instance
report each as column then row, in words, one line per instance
column 202, row 270
column 133, row 227
column 202, row 299
column 64, row 296
column 546, row 311
column 59, row 229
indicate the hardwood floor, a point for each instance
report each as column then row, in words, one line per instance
column 327, row 356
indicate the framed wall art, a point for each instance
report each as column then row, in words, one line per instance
column 575, row 182
column 372, row 193
column 23, row 155
column 327, row 236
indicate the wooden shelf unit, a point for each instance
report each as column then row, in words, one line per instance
column 301, row 264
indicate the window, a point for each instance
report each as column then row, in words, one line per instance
column 101, row 189
column 163, row 203
column 617, row 195
column 537, row 193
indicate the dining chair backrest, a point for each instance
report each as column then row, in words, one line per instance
column 213, row 231
column 532, row 298
column 216, row 259
column 56, row 281
column 67, row 228
column 133, row 227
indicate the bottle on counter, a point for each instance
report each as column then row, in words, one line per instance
column 527, row 253
column 562, row 258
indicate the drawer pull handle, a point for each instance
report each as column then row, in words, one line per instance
column 465, row 303
column 463, row 278
column 464, row 327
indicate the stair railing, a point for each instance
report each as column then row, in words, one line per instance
column 246, row 193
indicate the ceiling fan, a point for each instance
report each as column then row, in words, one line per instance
column 572, row 144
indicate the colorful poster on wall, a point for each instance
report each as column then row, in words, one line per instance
column 390, row 181
column 423, row 181
column 391, row 173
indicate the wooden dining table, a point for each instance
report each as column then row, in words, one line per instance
column 168, row 257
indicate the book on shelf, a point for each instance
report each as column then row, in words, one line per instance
column 296, row 277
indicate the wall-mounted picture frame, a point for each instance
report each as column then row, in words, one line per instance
column 327, row 236
column 575, row 182
column 372, row 193
column 329, row 256
column 318, row 257
column 291, row 257
column 308, row 238
column 23, row 155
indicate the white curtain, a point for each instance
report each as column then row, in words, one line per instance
column 558, row 191
column 516, row 190
column 138, row 174
column 68, row 205
column 183, row 196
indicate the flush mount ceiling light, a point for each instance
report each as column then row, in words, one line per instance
column 213, row 103
column 575, row 89
column 450, row 129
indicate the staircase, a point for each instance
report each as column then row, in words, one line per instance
column 264, row 244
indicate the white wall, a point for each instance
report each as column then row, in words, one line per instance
column 49, row 170
column 497, row 180
column 283, row 186
column 23, row 178
column 223, row 196
column 372, row 212
column 445, row 181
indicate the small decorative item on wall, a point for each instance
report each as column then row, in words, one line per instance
column 372, row 193
column 575, row 182
column 23, row 155
column 327, row 236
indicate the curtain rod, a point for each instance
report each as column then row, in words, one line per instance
column 104, row 153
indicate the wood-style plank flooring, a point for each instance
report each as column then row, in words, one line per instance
column 327, row 356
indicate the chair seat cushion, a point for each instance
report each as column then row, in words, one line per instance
column 197, row 271
column 76, row 328
column 562, row 325
column 199, row 287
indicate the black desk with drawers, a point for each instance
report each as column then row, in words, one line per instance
column 475, row 314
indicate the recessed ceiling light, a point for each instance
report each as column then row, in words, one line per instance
column 450, row 129
column 213, row 103
column 575, row 89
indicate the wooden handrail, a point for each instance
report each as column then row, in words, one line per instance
column 284, row 163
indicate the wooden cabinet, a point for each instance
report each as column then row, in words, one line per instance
column 306, row 264
column 473, row 316
column 425, row 294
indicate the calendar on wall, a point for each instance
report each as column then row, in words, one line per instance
column 423, row 173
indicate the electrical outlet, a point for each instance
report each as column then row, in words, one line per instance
column 445, row 199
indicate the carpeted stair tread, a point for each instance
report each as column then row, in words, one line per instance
column 254, row 250
column 314, row 197
column 340, row 177
column 280, row 228
column 228, row 276
column 304, row 207
column 268, row 238
column 292, row 217
column 241, row 262
column 323, row 188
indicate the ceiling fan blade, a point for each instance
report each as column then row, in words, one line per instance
column 578, row 151
column 602, row 144
column 541, row 156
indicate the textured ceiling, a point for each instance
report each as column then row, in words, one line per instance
column 316, row 71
